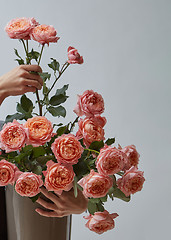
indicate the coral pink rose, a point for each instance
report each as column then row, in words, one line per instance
column 74, row 56
column 101, row 222
column 7, row 173
column 28, row 184
column 133, row 156
column 67, row 149
column 58, row 177
column 39, row 131
column 91, row 129
column 44, row 34
column 90, row 103
column 13, row 136
column 95, row 185
column 131, row 182
column 21, row 28
column 110, row 160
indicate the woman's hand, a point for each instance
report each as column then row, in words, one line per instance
column 19, row 81
column 62, row 205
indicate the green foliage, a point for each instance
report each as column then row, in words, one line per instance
column 20, row 60
column 75, row 187
column 96, row 145
column 110, row 141
column 62, row 130
column 10, row 118
column 34, row 199
column 116, row 192
column 54, row 65
column 39, row 151
column 26, row 104
column 62, row 90
column 58, row 99
column 45, row 76
column 33, row 55
column 57, row 111
column 95, row 205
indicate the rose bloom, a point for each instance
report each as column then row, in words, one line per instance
column 101, row 222
column 74, row 56
column 21, row 28
column 44, row 34
column 28, row 184
column 131, row 182
column 95, row 185
column 58, row 177
column 7, row 172
column 39, row 131
column 110, row 160
column 13, row 136
column 67, row 149
column 90, row 103
column 91, row 129
column 133, row 156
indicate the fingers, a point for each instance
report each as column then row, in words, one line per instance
column 32, row 83
column 49, row 195
column 46, row 213
column 35, row 77
column 45, row 204
column 31, row 68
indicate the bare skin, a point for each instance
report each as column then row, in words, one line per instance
column 62, row 205
column 19, row 81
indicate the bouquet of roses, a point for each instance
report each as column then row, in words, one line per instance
column 37, row 152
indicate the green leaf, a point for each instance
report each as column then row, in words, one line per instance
column 62, row 130
column 94, row 200
column 45, row 88
column 96, row 145
column 54, row 65
column 104, row 199
column 20, row 61
column 57, row 111
column 100, row 207
column 16, row 53
column 37, row 170
column 62, row 90
column 116, row 192
column 34, row 199
column 58, row 99
column 45, row 76
column 92, row 207
column 17, row 116
column 110, row 141
column 26, row 104
column 75, row 187
column 39, row 151
column 33, row 55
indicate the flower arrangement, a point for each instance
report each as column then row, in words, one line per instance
column 39, row 152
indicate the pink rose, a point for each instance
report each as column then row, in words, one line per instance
column 90, row 103
column 7, row 172
column 91, row 129
column 39, row 131
column 44, row 34
column 67, row 149
column 131, row 182
column 13, row 136
column 133, row 156
column 28, row 184
column 74, row 56
column 95, row 185
column 58, row 177
column 101, row 222
column 21, row 28
column 110, row 160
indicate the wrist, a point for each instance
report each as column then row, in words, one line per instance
column 3, row 93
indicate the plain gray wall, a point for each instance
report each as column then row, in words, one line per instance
column 127, row 52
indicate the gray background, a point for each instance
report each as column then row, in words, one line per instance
column 126, row 49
